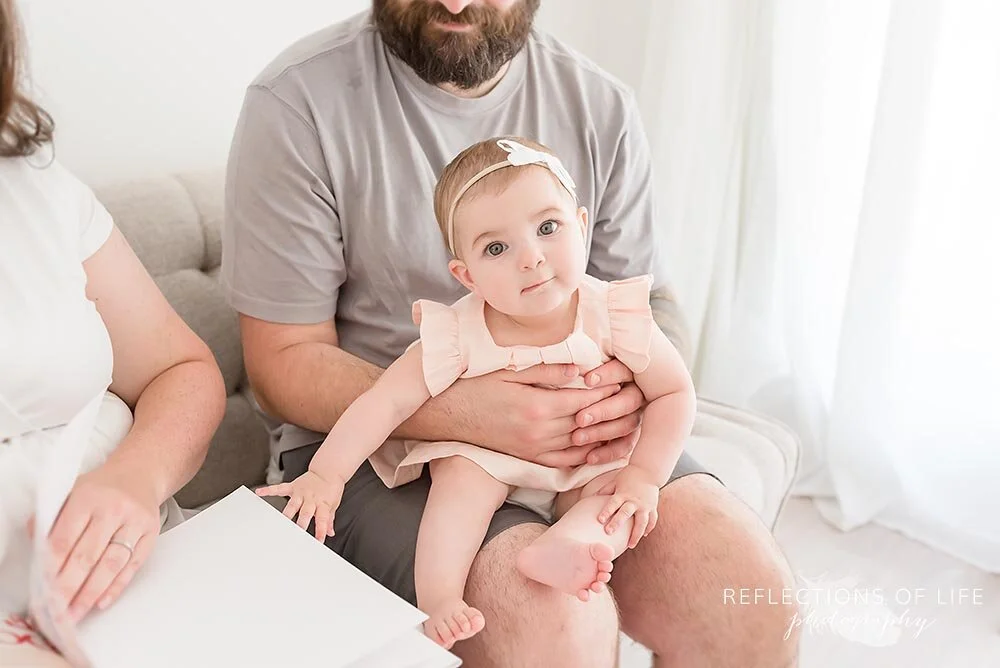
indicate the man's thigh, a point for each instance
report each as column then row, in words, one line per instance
column 376, row 527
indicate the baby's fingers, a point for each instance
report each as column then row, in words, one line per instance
column 292, row 507
column 653, row 519
column 624, row 513
column 306, row 514
column 613, row 504
column 324, row 521
column 281, row 489
column 638, row 528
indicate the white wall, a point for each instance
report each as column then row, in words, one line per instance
column 143, row 87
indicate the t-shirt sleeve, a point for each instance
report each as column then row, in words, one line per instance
column 625, row 239
column 283, row 253
column 95, row 223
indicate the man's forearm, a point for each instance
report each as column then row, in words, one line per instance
column 667, row 314
column 312, row 384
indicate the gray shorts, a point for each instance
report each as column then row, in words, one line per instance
column 376, row 527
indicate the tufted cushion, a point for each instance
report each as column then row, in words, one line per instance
column 174, row 225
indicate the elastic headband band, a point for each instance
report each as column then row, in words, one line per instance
column 517, row 155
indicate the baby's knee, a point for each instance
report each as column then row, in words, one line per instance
column 456, row 466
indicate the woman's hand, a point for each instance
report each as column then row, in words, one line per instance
column 103, row 534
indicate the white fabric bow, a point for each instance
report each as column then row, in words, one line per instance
column 519, row 154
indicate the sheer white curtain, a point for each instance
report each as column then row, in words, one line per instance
column 830, row 176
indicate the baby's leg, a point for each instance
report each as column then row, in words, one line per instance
column 460, row 505
column 574, row 555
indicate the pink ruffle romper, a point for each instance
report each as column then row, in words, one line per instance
column 613, row 320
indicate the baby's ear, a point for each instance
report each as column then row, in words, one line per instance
column 581, row 216
column 461, row 273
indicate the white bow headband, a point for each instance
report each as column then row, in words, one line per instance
column 517, row 155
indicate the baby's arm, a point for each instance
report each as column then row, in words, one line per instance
column 669, row 415
column 372, row 417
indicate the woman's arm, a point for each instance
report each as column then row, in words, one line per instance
column 162, row 370
column 669, row 417
column 373, row 416
column 170, row 380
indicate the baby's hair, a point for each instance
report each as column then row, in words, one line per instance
column 466, row 165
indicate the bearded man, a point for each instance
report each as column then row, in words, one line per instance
column 330, row 237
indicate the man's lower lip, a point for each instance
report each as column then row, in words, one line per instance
column 454, row 26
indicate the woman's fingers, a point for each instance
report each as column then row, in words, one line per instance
column 115, row 557
column 84, row 556
column 139, row 555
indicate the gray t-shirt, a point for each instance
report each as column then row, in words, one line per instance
column 332, row 170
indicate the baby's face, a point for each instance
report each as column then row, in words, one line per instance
column 522, row 250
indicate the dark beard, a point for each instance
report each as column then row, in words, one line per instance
column 466, row 60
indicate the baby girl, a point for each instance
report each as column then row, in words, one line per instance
column 509, row 215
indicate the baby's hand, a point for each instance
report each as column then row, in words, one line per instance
column 634, row 493
column 310, row 495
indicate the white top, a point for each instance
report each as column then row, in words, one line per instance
column 55, row 352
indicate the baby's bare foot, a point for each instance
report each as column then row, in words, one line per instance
column 452, row 621
column 567, row 565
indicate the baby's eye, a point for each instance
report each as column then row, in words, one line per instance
column 496, row 248
column 548, row 227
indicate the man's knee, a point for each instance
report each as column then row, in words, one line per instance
column 673, row 590
column 531, row 624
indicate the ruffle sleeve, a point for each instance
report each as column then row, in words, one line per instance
column 632, row 323
column 443, row 360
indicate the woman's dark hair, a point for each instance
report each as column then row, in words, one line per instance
column 24, row 126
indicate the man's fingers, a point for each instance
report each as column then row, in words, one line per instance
column 555, row 375
column 613, row 450
column 612, row 371
column 572, row 401
column 607, row 431
column 571, row 456
column 611, row 406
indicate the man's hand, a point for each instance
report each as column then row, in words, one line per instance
column 519, row 413
column 611, row 423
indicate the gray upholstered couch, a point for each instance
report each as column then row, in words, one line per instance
column 173, row 225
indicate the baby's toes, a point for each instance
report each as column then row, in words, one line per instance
column 445, row 637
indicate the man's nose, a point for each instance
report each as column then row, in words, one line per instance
column 455, row 6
